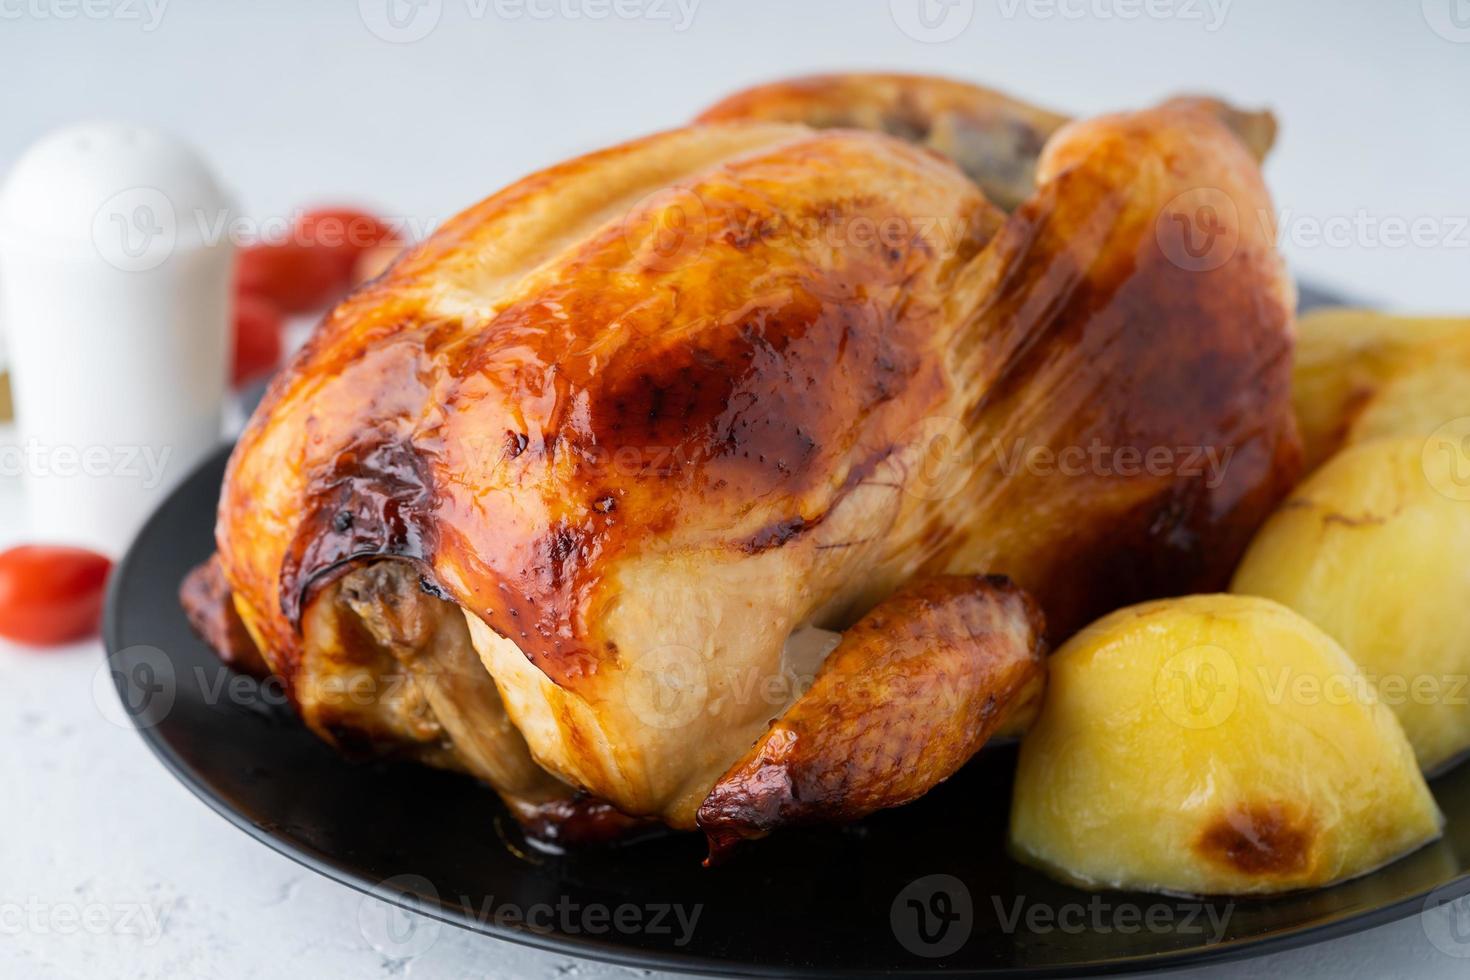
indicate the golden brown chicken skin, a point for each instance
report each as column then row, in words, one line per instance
column 911, row 692
column 644, row 416
column 997, row 140
column 994, row 138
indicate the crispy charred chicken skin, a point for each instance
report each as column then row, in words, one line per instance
column 583, row 466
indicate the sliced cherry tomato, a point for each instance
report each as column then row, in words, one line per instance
column 259, row 324
column 50, row 594
column 346, row 233
column 296, row 277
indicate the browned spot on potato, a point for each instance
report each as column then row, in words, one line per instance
column 1261, row 839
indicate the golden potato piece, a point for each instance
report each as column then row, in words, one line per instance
column 1354, row 376
column 1430, row 388
column 1214, row 745
column 1375, row 549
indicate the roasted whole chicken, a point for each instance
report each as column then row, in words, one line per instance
column 588, row 473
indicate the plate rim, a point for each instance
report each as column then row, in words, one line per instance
column 607, row 951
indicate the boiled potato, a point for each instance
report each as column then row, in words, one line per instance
column 1430, row 389
column 1214, row 745
column 1375, row 549
column 1361, row 374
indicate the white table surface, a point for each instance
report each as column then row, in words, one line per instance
column 108, row 867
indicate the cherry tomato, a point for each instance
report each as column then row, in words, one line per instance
column 344, row 232
column 51, row 595
column 296, row 277
column 258, row 327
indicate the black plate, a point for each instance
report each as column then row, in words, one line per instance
column 923, row 889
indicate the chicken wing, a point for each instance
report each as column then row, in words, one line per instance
column 908, row 696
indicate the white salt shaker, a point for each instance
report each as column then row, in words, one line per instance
column 116, row 266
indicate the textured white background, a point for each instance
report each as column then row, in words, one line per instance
column 298, row 102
